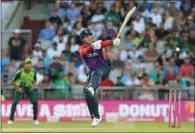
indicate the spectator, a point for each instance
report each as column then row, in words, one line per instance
column 5, row 81
column 172, row 9
column 133, row 80
column 192, row 58
column 81, row 74
column 128, row 68
column 157, row 75
column 176, row 26
column 156, row 17
column 45, row 82
column 86, row 15
column 34, row 60
column 158, row 5
column 40, row 64
column 106, row 93
column 17, row 46
column 62, row 82
column 110, row 29
column 181, row 19
column 138, row 24
column 150, row 32
column 112, row 14
column 187, row 69
column 72, row 13
column 14, row 65
column 63, row 87
column 73, row 46
column 37, row 51
column 146, row 94
column 47, row 33
column 140, row 73
column 54, row 69
column 4, row 60
column 168, row 50
column 40, row 75
column 168, row 24
column 191, row 23
column 78, row 26
column 136, row 37
column 130, row 43
column 160, row 44
column 151, row 54
column 186, row 9
column 59, row 7
column 61, row 39
column 77, row 38
column 53, row 52
column 68, row 54
column 171, row 64
column 119, row 83
column 162, row 60
column 115, row 73
column 182, row 83
column 68, row 26
column 46, row 60
column 9, row 72
column 144, row 12
column 98, row 17
column 170, row 75
column 95, row 30
column 55, row 20
column 135, row 54
column 192, row 40
column 185, row 30
column 106, row 83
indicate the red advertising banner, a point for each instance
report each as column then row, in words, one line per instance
column 119, row 110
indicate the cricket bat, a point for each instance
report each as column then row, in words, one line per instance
column 125, row 21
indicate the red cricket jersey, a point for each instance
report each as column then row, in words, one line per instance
column 94, row 57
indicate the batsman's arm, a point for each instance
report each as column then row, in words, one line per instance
column 114, row 42
column 85, row 50
column 106, row 43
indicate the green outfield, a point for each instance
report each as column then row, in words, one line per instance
column 103, row 127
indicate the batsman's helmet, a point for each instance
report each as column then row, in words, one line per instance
column 85, row 33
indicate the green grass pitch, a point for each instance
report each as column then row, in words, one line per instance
column 103, row 127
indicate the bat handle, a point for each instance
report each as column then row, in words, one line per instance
column 118, row 35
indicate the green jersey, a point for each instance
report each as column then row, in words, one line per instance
column 25, row 80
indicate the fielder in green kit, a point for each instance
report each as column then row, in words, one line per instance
column 23, row 82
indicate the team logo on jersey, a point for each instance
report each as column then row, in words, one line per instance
column 92, row 55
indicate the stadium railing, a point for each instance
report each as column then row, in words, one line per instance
column 103, row 93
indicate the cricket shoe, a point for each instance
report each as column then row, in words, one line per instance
column 89, row 90
column 95, row 121
column 36, row 122
column 10, row 122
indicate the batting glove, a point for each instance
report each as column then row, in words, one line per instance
column 116, row 42
column 96, row 44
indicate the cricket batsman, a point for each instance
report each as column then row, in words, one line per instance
column 23, row 81
column 91, row 53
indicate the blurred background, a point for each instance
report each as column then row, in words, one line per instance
column 157, row 47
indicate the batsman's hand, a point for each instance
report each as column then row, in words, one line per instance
column 96, row 44
column 19, row 89
column 116, row 42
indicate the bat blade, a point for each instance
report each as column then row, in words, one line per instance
column 125, row 21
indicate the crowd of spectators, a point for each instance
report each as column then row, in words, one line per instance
column 157, row 45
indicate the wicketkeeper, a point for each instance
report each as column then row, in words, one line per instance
column 24, row 81
column 91, row 52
